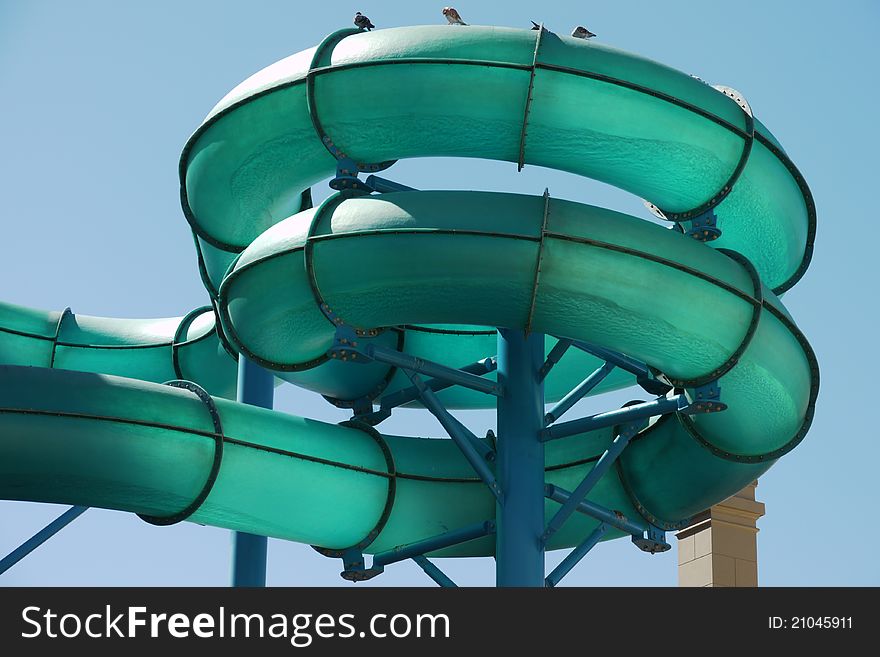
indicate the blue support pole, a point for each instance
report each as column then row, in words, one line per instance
column 41, row 537
column 519, row 552
column 256, row 386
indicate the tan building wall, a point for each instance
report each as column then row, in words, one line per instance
column 720, row 548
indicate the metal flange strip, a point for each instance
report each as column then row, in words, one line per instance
column 643, row 511
column 194, row 506
column 182, row 327
column 328, row 204
column 757, row 301
column 389, row 501
column 795, row 440
column 725, row 190
column 64, row 314
column 538, row 263
column 380, row 387
column 327, row 43
column 524, row 131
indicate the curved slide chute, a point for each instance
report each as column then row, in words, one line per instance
column 433, row 273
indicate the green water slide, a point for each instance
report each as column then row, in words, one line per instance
column 85, row 419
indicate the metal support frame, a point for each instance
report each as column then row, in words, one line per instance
column 598, row 470
column 644, row 376
column 703, row 399
column 256, row 386
column 514, row 469
column 347, row 347
column 640, row 411
column 41, row 537
column 578, row 393
column 646, row 537
column 407, row 395
column 477, row 453
column 519, row 552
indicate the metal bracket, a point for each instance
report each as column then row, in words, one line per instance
column 704, row 227
column 705, row 399
column 653, row 541
column 346, row 172
column 353, row 567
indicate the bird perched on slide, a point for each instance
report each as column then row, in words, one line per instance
column 580, row 32
column 535, row 26
column 453, row 16
column 363, row 22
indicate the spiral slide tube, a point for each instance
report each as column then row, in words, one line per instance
column 432, row 273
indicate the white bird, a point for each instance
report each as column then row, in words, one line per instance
column 580, row 32
column 453, row 16
column 363, row 22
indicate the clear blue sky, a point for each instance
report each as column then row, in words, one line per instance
column 98, row 98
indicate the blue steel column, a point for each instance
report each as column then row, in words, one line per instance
column 256, row 386
column 519, row 552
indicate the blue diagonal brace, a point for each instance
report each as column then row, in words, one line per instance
column 384, row 186
column 644, row 376
column 646, row 537
column 432, row 571
column 624, row 415
column 576, row 555
column 41, row 537
column 555, row 355
column 612, row 518
column 439, row 542
column 356, row 572
column 459, row 434
column 407, row 395
column 596, row 473
column 348, row 348
column 578, row 393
